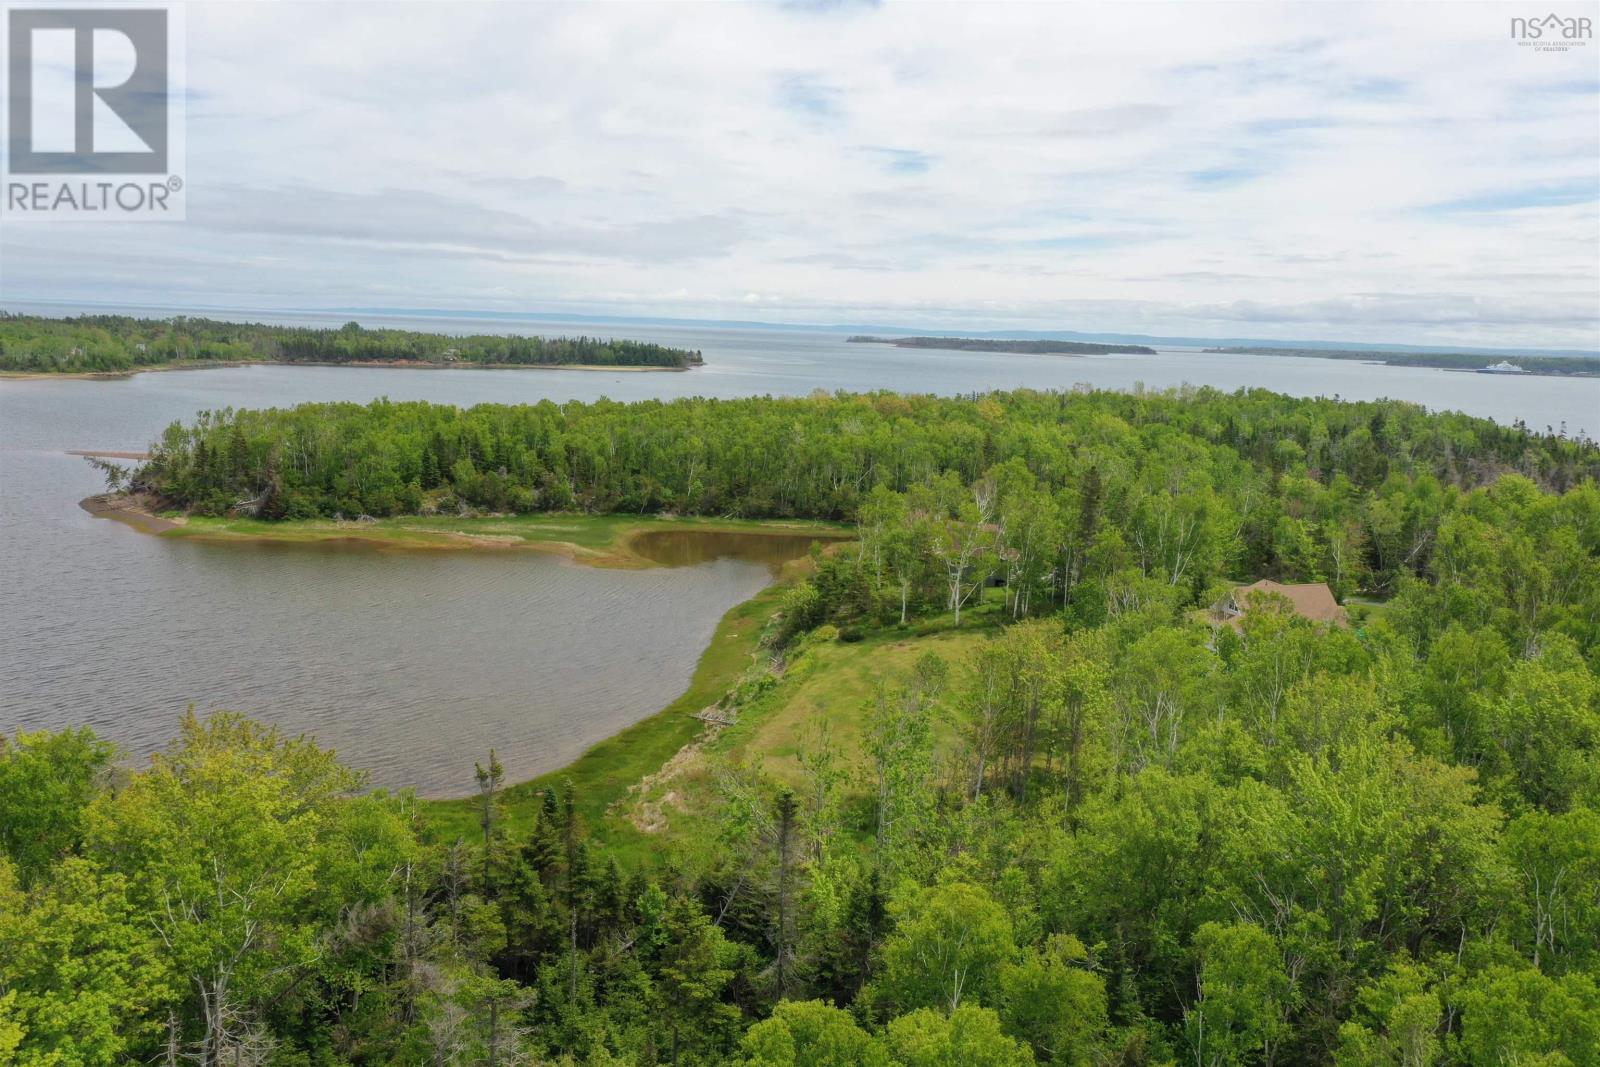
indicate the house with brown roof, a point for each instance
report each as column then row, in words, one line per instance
column 1309, row 600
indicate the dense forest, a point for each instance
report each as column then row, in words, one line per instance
column 1112, row 832
column 977, row 344
column 1197, row 483
column 1574, row 366
column 111, row 343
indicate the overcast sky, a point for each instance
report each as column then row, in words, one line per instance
column 1399, row 172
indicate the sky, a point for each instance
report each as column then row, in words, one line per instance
column 1397, row 172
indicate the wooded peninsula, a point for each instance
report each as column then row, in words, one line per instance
column 110, row 344
column 981, row 344
column 1021, row 775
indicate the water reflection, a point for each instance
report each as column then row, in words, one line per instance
column 682, row 548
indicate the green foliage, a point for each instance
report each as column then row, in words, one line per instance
column 11, row 1028
column 969, row 1036
column 1514, row 1014
column 84, row 974
column 1397, row 1021
column 949, row 944
column 810, row 1034
column 46, row 783
column 1242, row 999
column 694, row 962
column 242, row 853
column 1055, row 1002
column 1556, row 859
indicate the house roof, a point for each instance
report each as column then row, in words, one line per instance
column 1311, row 600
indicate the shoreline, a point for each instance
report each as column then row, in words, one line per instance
column 611, row 766
column 593, row 540
column 126, row 509
column 604, row 774
column 397, row 364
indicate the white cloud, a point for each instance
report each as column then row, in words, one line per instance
column 1399, row 172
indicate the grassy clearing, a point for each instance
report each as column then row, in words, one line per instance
column 651, row 789
column 600, row 540
column 828, row 686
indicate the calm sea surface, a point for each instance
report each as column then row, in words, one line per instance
column 413, row 664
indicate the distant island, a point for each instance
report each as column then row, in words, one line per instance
column 120, row 344
column 1566, row 366
column 979, row 344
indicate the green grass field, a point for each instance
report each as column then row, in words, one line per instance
column 601, row 540
column 829, row 687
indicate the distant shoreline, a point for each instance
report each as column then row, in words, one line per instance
column 1019, row 347
column 1464, row 362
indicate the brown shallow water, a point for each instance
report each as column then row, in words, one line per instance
column 685, row 548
